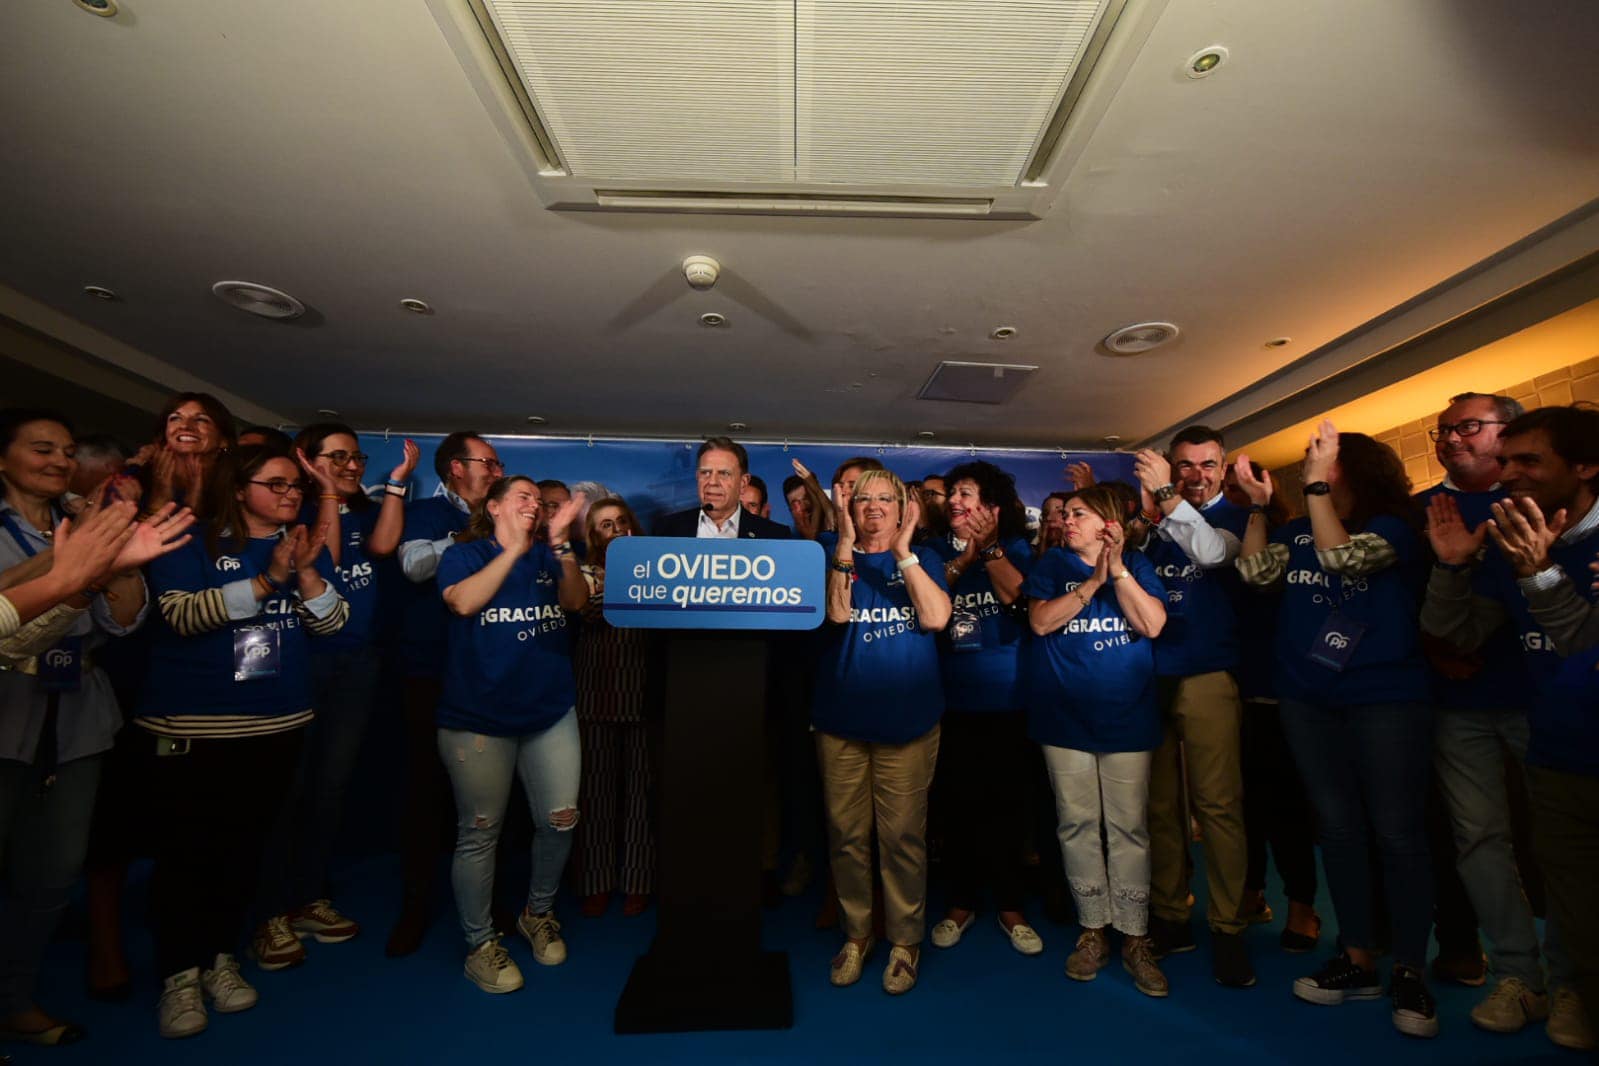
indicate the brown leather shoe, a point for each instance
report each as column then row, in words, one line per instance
column 1138, row 959
column 1093, row 952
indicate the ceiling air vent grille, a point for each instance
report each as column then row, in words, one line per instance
column 888, row 107
column 975, row 382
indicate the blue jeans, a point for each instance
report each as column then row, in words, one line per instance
column 1470, row 759
column 43, row 838
column 1366, row 771
column 294, row 870
column 480, row 769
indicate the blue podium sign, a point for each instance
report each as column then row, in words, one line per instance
column 685, row 583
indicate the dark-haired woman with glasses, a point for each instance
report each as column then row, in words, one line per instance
column 225, row 706
column 294, row 897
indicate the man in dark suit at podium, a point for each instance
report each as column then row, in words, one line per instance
column 706, row 968
column 721, row 470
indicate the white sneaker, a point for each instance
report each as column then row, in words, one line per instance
column 227, row 990
column 948, row 933
column 1024, row 938
column 492, row 969
column 543, row 932
column 181, row 1011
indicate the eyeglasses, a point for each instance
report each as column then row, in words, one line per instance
column 935, row 494
column 488, row 464
column 282, row 487
column 885, row 499
column 345, row 458
column 1466, row 427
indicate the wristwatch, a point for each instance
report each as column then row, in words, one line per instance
column 992, row 552
column 1317, row 488
column 1165, row 492
column 1124, row 573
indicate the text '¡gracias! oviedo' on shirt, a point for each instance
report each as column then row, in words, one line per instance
column 737, row 570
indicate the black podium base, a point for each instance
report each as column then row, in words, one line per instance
column 664, row 998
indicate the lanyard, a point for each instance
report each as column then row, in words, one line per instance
column 21, row 537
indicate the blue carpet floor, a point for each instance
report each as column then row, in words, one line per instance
column 978, row 1002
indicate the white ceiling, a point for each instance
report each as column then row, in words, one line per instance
column 1348, row 158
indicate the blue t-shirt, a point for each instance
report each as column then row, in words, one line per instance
column 357, row 578
column 1091, row 683
column 509, row 668
column 878, row 678
column 194, row 675
column 1385, row 665
column 426, row 619
column 1501, row 680
column 1201, row 633
column 1563, row 721
column 980, row 648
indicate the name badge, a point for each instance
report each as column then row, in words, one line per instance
column 965, row 630
column 257, row 653
column 61, row 668
column 1336, row 642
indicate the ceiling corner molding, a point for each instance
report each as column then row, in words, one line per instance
column 1549, row 271
column 63, row 346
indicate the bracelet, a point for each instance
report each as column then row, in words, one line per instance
column 330, row 496
column 843, row 567
column 1257, row 508
column 394, row 484
column 393, row 490
column 1078, row 592
column 267, row 586
column 906, row 563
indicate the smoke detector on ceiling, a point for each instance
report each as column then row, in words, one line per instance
column 1140, row 337
column 258, row 299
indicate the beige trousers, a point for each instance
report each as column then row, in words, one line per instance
column 1205, row 717
column 883, row 784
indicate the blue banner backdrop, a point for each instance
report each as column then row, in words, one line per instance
column 657, row 477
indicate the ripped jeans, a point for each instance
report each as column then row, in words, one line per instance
column 480, row 769
column 1113, row 787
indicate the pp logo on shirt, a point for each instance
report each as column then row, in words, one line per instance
column 57, row 659
column 1304, row 539
column 1335, row 639
column 228, row 562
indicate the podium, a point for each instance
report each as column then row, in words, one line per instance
column 707, row 968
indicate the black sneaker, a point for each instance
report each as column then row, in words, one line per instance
column 1167, row 937
column 1229, row 963
column 1337, row 982
column 1415, row 1013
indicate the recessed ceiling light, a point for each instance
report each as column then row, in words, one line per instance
column 417, row 307
column 1140, row 337
column 104, row 8
column 1278, row 342
column 927, row 434
column 1003, row 333
column 327, row 412
column 536, row 420
column 99, row 292
column 258, row 299
column 713, row 320
column 738, row 427
column 1204, row 62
